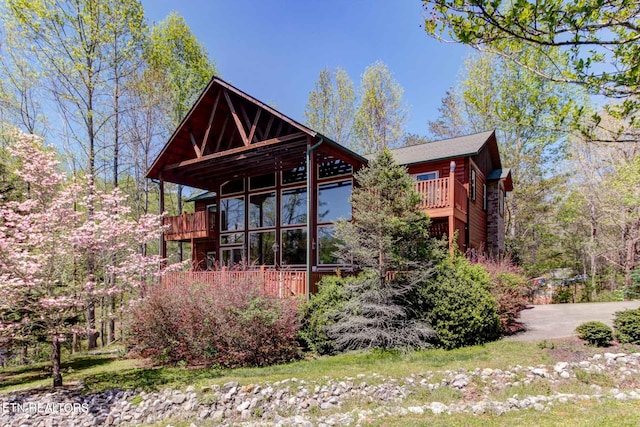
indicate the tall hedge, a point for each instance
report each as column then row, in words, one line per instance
column 458, row 304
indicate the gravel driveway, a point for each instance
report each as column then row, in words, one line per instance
column 560, row 320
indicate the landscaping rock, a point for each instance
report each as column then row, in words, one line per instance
column 292, row 401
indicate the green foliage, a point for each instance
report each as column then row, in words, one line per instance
column 174, row 50
column 388, row 232
column 458, row 304
column 595, row 333
column 632, row 291
column 380, row 117
column 596, row 39
column 562, row 295
column 546, row 344
column 388, row 243
column 321, row 312
column 331, row 106
column 529, row 114
column 627, row 326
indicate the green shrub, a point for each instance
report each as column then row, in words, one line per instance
column 632, row 291
column 320, row 313
column 459, row 306
column 627, row 326
column 595, row 333
column 562, row 295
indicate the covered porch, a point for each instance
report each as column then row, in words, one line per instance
column 276, row 188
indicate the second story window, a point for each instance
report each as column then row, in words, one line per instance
column 472, row 184
column 427, row 176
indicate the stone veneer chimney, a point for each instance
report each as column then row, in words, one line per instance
column 495, row 219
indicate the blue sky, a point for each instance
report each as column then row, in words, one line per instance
column 274, row 49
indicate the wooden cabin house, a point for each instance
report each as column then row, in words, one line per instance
column 273, row 188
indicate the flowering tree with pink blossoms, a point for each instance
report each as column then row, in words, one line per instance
column 45, row 240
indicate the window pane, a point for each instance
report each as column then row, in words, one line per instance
column 231, row 239
column 211, row 260
column 294, row 175
column 294, row 206
column 333, row 201
column 232, row 256
column 327, row 246
column 262, row 210
column 262, row 181
column 232, row 214
column 334, row 168
column 231, row 187
column 294, row 247
column 261, row 248
column 428, row 176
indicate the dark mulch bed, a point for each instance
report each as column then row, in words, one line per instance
column 573, row 349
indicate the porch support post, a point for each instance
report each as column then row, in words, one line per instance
column 216, row 233
column 163, row 242
column 452, row 204
column 311, row 190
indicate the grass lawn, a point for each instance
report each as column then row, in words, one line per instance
column 103, row 372
column 583, row 414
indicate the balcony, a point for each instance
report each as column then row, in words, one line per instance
column 197, row 225
column 443, row 197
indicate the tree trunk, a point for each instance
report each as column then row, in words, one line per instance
column 55, row 362
column 92, row 336
column 102, row 322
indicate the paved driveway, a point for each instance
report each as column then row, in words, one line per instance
column 560, row 320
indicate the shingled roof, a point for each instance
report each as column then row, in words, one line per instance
column 468, row 145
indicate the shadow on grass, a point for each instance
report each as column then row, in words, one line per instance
column 41, row 371
column 148, row 379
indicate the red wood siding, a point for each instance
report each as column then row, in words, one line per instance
column 442, row 166
column 477, row 215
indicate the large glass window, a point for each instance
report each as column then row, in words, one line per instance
column 232, row 256
column 295, row 175
column 334, row 168
column 333, row 201
column 294, row 246
column 231, row 187
column 294, row 206
column 232, row 214
column 262, row 210
column 261, row 248
column 327, row 245
column 262, row 181
column 231, row 238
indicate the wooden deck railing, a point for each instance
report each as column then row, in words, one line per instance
column 281, row 283
column 460, row 196
column 435, row 193
column 189, row 226
column 438, row 194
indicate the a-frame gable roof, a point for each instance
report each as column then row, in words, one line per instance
column 226, row 120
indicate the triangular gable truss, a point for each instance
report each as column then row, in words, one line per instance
column 225, row 120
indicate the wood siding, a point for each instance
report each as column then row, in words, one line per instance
column 442, row 166
column 477, row 215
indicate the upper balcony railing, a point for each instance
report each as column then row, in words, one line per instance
column 188, row 226
column 442, row 196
